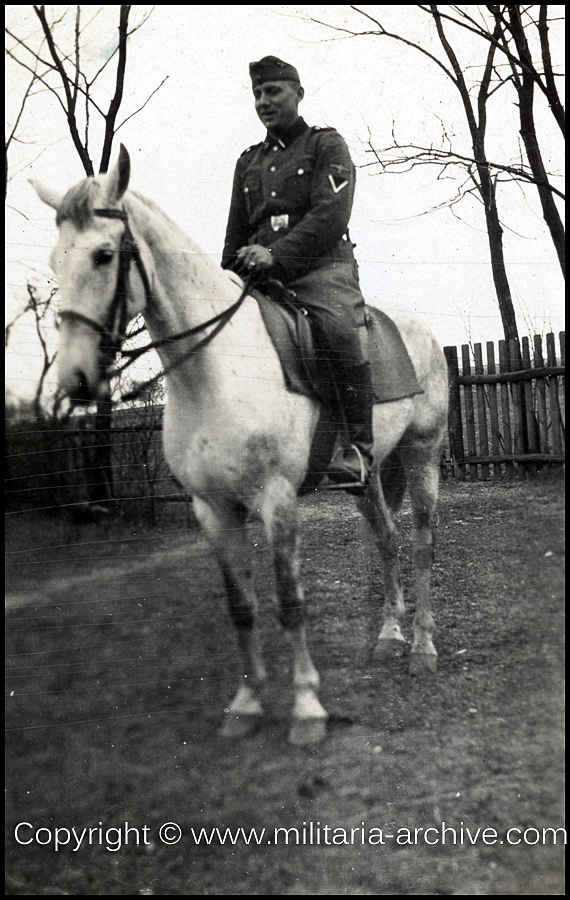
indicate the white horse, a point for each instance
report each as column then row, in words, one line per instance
column 233, row 435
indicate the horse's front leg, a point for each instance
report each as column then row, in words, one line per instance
column 226, row 529
column 278, row 508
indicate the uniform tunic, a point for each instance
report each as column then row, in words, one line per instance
column 294, row 195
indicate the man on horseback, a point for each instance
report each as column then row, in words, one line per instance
column 291, row 203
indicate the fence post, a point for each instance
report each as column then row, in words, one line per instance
column 469, row 412
column 531, row 429
column 505, row 412
column 562, row 338
column 494, row 412
column 541, row 397
column 518, row 407
column 553, row 395
column 481, row 411
column 455, row 424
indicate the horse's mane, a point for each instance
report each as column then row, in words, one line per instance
column 78, row 204
column 155, row 208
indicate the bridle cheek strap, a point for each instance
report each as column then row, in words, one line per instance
column 112, row 333
column 118, row 318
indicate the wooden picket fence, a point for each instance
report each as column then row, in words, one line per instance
column 506, row 417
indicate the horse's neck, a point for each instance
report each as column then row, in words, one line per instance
column 188, row 287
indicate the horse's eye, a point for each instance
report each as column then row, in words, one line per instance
column 102, row 257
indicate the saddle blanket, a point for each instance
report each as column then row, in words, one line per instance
column 393, row 374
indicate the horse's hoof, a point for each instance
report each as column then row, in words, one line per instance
column 423, row 664
column 235, row 727
column 388, row 648
column 304, row 732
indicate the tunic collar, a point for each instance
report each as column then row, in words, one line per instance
column 297, row 129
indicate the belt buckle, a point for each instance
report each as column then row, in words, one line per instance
column 278, row 222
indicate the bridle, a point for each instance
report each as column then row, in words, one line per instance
column 114, row 331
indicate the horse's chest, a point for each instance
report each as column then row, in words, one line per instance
column 227, row 452
column 220, row 455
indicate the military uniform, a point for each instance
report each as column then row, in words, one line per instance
column 293, row 194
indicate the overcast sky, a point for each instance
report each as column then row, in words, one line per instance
column 185, row 142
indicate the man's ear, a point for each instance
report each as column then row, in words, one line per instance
column 300, row 92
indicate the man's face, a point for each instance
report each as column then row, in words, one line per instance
column 276, row 104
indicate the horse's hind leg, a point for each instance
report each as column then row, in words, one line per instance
column 379, row 506
column 278, row 508
column 423, row 484
column 226, row 529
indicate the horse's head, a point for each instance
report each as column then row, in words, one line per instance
column 92, row 262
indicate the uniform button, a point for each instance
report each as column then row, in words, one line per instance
column 273, row 194
column 272, row 169
column 246, row 190
column 275, row 148
column 300, row 171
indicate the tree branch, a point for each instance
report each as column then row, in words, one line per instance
column 39, row 78
column 553, row 97
column 77, row 53
column 435, row 156
column 70, row 110
column 115, row 103
column 144, row 104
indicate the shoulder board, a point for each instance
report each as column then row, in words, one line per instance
column 322, row 128
column 249, row 149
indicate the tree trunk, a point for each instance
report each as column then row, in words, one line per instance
column 495, row 236
column 101, row 483
column 501, row 281
column 525, row 89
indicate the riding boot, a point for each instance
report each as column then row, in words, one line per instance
column 352, row 461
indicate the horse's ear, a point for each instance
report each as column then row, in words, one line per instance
column 117, row 180
column 46, row 194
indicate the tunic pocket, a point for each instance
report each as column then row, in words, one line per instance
column 297, row 187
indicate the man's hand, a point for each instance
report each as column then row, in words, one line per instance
column 256, row 259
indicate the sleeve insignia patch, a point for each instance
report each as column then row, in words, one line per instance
column 337, row 183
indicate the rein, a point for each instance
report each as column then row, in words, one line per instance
column 113, row 332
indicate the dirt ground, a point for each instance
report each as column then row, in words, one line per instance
column 121, row 658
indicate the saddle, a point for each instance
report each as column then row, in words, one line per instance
column 305, row 365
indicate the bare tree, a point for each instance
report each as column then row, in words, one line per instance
column 483, row 175
column 67, row 77
column 40, row 308
column 514, row 28
column 525, row 78
column 12, row 135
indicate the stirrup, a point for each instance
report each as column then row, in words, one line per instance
column 346, row 473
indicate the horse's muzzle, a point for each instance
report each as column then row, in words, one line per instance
column 78, row 363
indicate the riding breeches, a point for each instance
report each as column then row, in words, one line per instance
column 331, row 295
